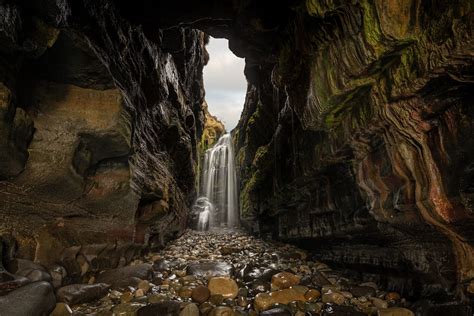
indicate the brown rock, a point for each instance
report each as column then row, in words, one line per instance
column 222, row 311
column 144, row 285
column 81, row 293
column 126, row 297
column 263, row 301
column 312, row 295
column 392, row 296
column 224, row 286
column 190, row 310
column 379, row 303
column 126, row 276
column 185, row 292
column 200, row 294
column 395, row 311
column 333, row 297
column 284, row 280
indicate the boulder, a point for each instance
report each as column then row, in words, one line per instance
column 81, row 293
column 35, row 299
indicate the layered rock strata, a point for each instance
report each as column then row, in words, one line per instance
column 356, row 141
column 99, row 132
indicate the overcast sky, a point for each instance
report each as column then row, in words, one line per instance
column 225, row 83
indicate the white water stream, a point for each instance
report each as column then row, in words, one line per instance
column 218, row 191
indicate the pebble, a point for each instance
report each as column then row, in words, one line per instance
column 392, row 296
column 276, row 312
column 190, row 310
column 200, row 294
column 185, row 292
column 395, row 311
column 222, row 311
column 224, row 286
column 126, row 309
column 144, row 285
column 81, row 293
column 126, row 297
column 264, row 301
column 232, row 274
column 284, row 280
column 379, row 303
column 312, row 295
column 359, row 291
column 333, row 297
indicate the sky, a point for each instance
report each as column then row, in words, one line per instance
column 225, row 83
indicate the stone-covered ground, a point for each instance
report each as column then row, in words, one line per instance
column 224, row 274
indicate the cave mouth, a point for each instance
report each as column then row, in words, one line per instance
column 217, row 206
column 225, row 84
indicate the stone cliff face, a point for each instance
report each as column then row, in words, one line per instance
column 213, row 130
column 356, row 141
column 99, row 130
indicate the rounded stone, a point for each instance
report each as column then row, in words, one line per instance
column 222, row 311
column 395, row 311
column 200, row 294
column 333, row 297
column 242, row 301
column 139, row 293
column 392, row 296
column 312, row 295
column 263, row 301
column 379, row 303
column 284, row 280
column 359, row 291
column 190, row 310
column 126, row 297
column 226, row 287
column 216, row 299
column 144, row 285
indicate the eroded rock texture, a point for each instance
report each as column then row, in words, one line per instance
column 100, row 121
column 356, row 140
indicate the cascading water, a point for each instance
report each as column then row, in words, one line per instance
column 217, row 203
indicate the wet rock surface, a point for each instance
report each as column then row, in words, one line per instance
column 33, row 299
column 261, row 278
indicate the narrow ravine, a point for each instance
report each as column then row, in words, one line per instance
column 227, row 273
column 146, row 171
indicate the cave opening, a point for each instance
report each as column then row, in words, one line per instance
column 225, row 86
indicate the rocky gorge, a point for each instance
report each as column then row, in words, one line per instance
column 355, row 145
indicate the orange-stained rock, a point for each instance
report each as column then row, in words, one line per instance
column 284, row 280
column 224, row 286
column 264, row 301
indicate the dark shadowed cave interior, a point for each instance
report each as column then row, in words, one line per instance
column 350, row 172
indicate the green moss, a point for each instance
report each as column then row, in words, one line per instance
column 319, row 8
column 350, row 111
column 372, row 32
column 257, row 176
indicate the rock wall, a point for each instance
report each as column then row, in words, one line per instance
column 213, row 130
column 100, row 122
column 356, row 140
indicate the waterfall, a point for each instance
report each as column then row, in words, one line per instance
column 217, row 203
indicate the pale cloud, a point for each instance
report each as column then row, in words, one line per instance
column 225, row 83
